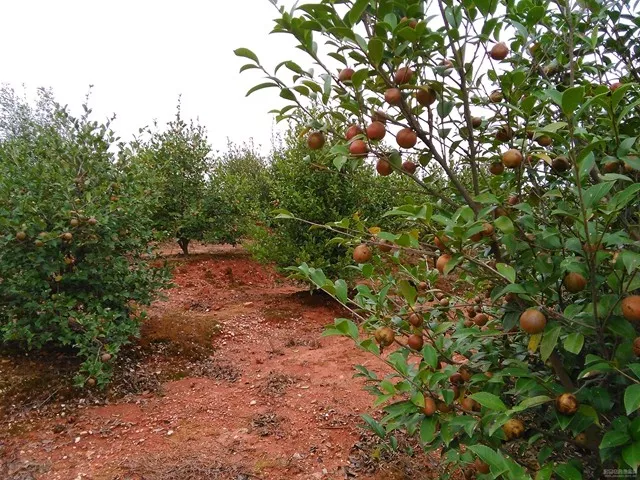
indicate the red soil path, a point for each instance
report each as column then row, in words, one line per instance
column 276, row 400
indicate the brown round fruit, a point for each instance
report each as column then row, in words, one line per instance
column 574, row 282
column 74, row 222
column 379, row 116
column 385, row 246
column 443, row 407
column 352, row 131
column 384, row 167
column 346, row 74
column 384, row 336
column 429, row 406
column 442, row 261
column 416, row 320
column 362, row 253
column 92, row 221
column 567, row 404
column 39, row 243
column 487, row 229
column 376, row 131
column 614, row 86
column 582, row 440
column 499, row 51
column 504, row 133
column 315, row 141
column 456, row 379
column 105, row 357
column 358, row 148
column 496, row 96
column 512, row 158
column 403, row 75
column 465, row 373
column 513, row 200
column 393, row 96
column 91, row 382
column 21, row 236
column 480, row 466
column 415, row 342
column 636, row 346
column 476, row 122
column 496, row 168
column 469, row 405
column 409, row 167
column 560, row 164
column 513, row 429
column 426, row 96
column 611, row 167
column 631, row 308
column 444, row 302
column 67, row 236
column 440, row 241
column 406, row 138
column 532, row 321
column 481, row 319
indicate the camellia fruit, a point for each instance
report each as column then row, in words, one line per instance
column 513, row 429
column 496, row 168
column 481, row 319
column 415, row 342
column 358, row 148
column 403, row 75
column 346, row 74
column 74, row 222
column 376, row 131
column 636, row 346
column 512, row 158
column 442, row 261
column 416, row 320
column 440, row 241
column 504, row 133
column 384, row 167
column 352, row 132
column 499, row 51
column 544, row 140
column 533, row 321
column 614, row 86
column 105, row 357
column 574, row 282
column 631, row 308
column 567, row 404
column 315, row 141
column 21, row 236
column 429, row 406
column 496, row 96
column 406, row 138
column 409, row 167
column 476, row 122
column 379, row 116
column 481, row 467
column 384, row 336
column 469, row 405
column 92, row 221
column 560, row 164
column 362, row 253
column 393, row 96
column 611, row 167
column 425, row 96
column 67, row 236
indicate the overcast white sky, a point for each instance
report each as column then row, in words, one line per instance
column 141, row 54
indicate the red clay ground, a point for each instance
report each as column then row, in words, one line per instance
column 233, row 381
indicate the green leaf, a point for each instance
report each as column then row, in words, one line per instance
column 376, row 50
column 631, row 455
column 490, row 401
column 545, row 472
column 358, row 9
column 549, row 342
column 408, row 291
column 341, row 290
column 571, row 98
column 428, row 430
column 574, row 343
column 430, row 356
column 375, row 426
column 282, row 213
column 632, row 398
column 505, row 224
column 532, row 402
column 494, row 459
column 567, row 472
column 260, row 87
column 507, row 272
column 246, row 53
column 614, row 438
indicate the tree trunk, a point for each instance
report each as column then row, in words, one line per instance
column 184, row 245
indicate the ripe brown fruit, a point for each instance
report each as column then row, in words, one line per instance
column 415, row 342
column 444, row 302
column 456, row 379
column 315, row 141
column 487, row 229
column 393, row 96
column 582, row 440
column 91, row 382
column 426, row 96
column 362, row 253
column 443, row 407
column 611, row 167
column 67, row 236
column 465, row 373
column 92, row 221
column 440, row 241
column 636, row 346
column 423, row 286
column 532, row 321
column 442, row 261
column 384, row 167
column 504, row 133
column 403, row 75
column 567, row 404
column 352, row 131
column 560, row 164
column 496, row 168
column 415, row 320
column 574, row 282
column 358, row 148
column 481, row 319
column 476, row 122
column 376, row 131
column 379, row 116
column 21, row 236
column 614, row 86
column 631, row 308
column 429, row 406
column 496, row 96
column 409, row 167
column 469, row 405
column 346, row 74
column 513, row 200
column 406, row 138
column 480, row 466
column 385, row 246
column 74, row 222
column 513, row 429
column 544, row 140
column 105, row 357
column 512, row 158
column 499, row 51
column 39, row 243
column 384, row 336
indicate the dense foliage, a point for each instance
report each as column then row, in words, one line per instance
column 530, row 111
column 74, row 233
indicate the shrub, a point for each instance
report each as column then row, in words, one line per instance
column 527, row 366
column 74, row 231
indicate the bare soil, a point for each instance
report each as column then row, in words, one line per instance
column 231, row 379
